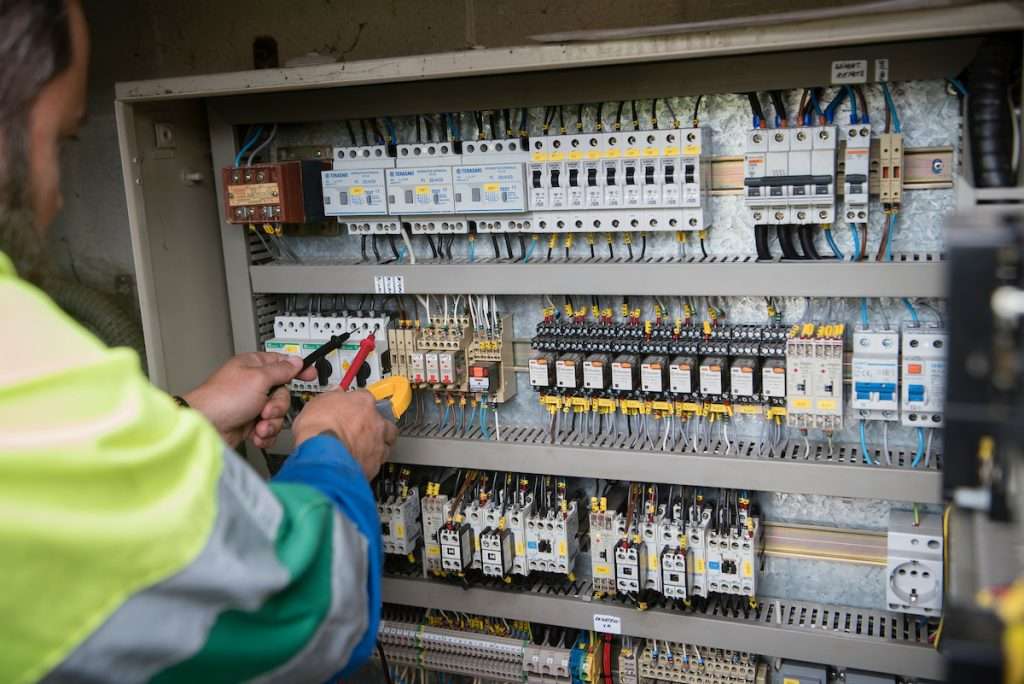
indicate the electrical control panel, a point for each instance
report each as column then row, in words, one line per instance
column 285, row 192
column 790, row 175
column 876, row 374
column 923, row 377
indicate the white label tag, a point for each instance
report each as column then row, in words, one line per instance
column 607, row 624
column 882, row 70
column 389, row 284
column 850, row 71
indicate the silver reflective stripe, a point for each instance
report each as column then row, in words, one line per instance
column 170, row 621
column 330, row 648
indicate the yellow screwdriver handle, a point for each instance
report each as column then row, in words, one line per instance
column 393, row 393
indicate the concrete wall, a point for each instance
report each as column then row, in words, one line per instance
column 142, row 39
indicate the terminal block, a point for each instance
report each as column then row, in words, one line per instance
column 924, row 377
column 856, row 171
column 914, row 565
column 666, row 661
column 890, row 170
column 876, row 370
column 546, row 665
column 790, row 175
column 283, row 192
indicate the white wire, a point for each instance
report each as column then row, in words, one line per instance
column 807, row 448
column 472, row 312
column 456, row 313
column 497, row 425
column 408, row 246
column 263, row 145
column 928, row 447
column 446, row 319
column 885, row 442
column 494, row 310
column 725, row 431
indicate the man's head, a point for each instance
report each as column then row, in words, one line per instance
column 44, row 55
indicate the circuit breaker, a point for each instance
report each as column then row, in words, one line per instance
column 790, row 175
column 875, row 370
column 856, row 171
column 356, row 187
column 814, row 377
column 923, row 376
column 378, row 361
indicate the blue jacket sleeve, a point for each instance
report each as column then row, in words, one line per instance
column 325, row 464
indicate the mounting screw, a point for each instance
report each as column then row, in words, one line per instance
column 937, row 166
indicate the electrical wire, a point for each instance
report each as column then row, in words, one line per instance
column 919, row 454
column 250, row 141
column 855, row 234
column 832, row 244
column 864, row 453
column 915, row 320
column 408, row 245
column 890, row 109
column 262, row 146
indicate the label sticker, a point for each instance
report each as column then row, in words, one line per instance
column 256, row 193
column 850, row 71
column 607, row 624
column 394, row 284
column 882, row 70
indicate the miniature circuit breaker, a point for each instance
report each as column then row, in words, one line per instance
column 876, row 371
column 923, row 376
column 619, row 182
column 790, row 175
column 283, row 192
column 856, row 172
column 814, row 376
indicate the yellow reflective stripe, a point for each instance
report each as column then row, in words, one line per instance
column 95, row 514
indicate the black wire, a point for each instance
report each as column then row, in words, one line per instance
column 419, row 129
column 636, row 121
column 366, row 138
column 523, row 121
column 618, row 115
column 761, row 243
column 494, row 244
column 549, row 254
column 807, row 242
column 786, row 243
column 611, row 251
column 755, row 106
column 703, row 249
column 696, row 107
column 433, row 247
column 600, row 116
column 778, row 104
column 508, row 247
column 376, row 131
column 522, row 246
column 384, row 664
column 508, row 123
column 494, row 124
column 428, row 127
column 376, row 250
column 630, row 246
column 654, row 113
column 561, row 120
column 479, row 118
column 643, row 247
column 362, row 247
column 394, row 249
column 351, row 133
column 592, row 254
column 451, row 244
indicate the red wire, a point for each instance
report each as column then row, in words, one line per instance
column 607, row 659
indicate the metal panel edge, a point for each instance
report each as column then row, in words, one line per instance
column 947, row 21
column 725, row 279
column 135, row 199
column 830, row 479
column 776, row 641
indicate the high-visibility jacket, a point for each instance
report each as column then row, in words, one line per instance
column 135, row 546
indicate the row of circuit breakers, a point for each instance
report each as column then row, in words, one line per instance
column 450, row 355
column 796, row 371
column 624, row 181
column 694, row 549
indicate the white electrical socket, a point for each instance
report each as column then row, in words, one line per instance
column 914, row 565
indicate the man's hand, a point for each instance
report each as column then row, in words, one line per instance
column 235, row 397
column 353, row 418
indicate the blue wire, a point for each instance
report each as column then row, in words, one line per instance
column 892, row 108
column 757, row 121
column 832, row 243
column 816, row 104
column 958, row 86
column 856, row 241
column 853, row 105
column 483, row 423
column 248, row 143
column 891, row 230
column 456, row 134
column 912, row 311
column 472, row 250
column 529, row 251
column 445, row 419
column 864, row 312
column 830, row 111
column 919, row 454
column 865, row 454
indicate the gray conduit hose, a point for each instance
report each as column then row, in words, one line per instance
column 100, row 315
